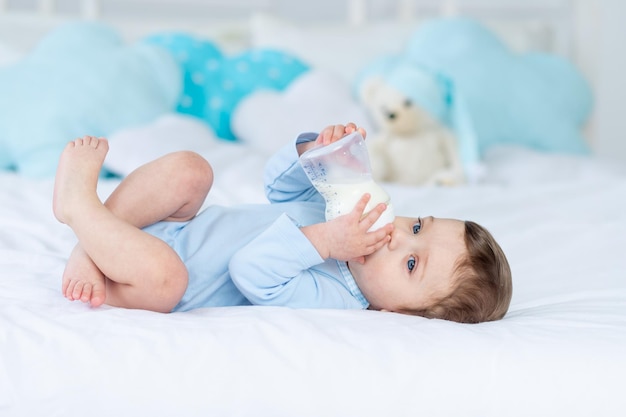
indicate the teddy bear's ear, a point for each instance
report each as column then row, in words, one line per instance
column 369, row 87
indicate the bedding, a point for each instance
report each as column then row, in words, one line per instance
column 559, row 351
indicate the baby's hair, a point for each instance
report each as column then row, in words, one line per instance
column 483, row 284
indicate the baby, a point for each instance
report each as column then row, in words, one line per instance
column 148, row 247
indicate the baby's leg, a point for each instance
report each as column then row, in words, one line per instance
column 172, row 188
column 144, row 271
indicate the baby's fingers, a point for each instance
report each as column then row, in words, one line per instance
column 376, row 239
column 379, row 238
column 351, row 127
column 359, row 207
column 370, row 218
column 339, row 132
column 330, row 134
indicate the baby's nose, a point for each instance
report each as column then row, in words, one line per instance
column 395, row 239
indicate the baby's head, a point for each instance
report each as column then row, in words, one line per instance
column 438, row 268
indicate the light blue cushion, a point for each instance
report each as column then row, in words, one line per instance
column 537, row 100
column 81, row 79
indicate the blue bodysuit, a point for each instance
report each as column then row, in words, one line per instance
column 256, row 254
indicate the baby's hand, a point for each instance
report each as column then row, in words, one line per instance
column 333, row 133
column 329, row 135
column 346, row 238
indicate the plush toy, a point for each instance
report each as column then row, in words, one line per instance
column 81, row 79
column 410, row 145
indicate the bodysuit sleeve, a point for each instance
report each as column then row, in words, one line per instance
column 278, row 268
column 284, row 177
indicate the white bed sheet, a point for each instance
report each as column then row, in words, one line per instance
column 559, row 351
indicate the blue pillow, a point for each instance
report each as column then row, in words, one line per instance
column 214, row 83
column 81, row 79
column 537, row 100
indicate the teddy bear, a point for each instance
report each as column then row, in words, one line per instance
column 409, row 146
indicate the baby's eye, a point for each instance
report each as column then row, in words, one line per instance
column 417, row 226
column 411, row 263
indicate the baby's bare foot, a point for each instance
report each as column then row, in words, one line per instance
column 82, row 280
column 77, row 176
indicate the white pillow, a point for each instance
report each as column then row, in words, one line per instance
column 135, row 146
column 339, row 48
column 238, row 168
column 267, row 120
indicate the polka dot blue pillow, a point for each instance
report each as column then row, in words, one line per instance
column 214, row 83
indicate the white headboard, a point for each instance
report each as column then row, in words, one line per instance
column 571, row 28
column 548, row 24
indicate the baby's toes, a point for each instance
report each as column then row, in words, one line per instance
column 98, row 294
column 78, row 290
column 86, row 293
column 69, row 290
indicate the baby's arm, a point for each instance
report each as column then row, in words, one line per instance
column 281, row 267
column 346, row 238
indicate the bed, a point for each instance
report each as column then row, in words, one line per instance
column 559, row 351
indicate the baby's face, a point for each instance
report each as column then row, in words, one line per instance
column 416, row 266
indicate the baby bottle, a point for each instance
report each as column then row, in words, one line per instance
column 341, row 173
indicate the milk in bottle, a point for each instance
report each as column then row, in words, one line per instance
column 341, row 173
